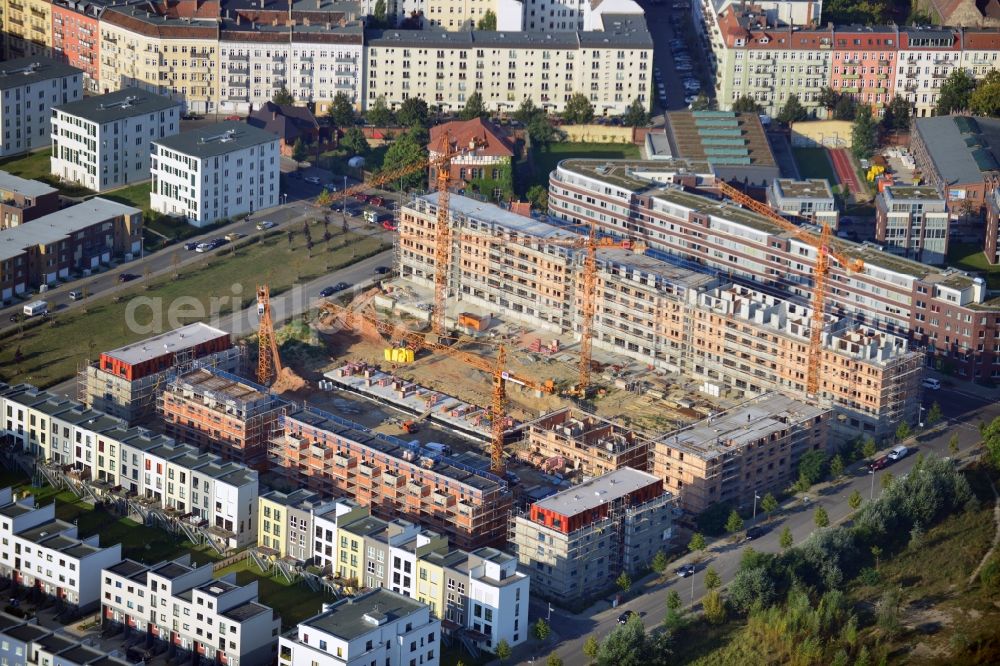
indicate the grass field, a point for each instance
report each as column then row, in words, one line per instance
column 52, row 351
column 36, row 167
column 134, row 195
column 814, row 163
column 545, row 160
column 970, row 257
column 293, row 603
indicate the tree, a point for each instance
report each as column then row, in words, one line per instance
column 785, row 540
column 713, row 580
column 675, row 611
column 828, row 97
column 413, row 112
column 283, row 96
column 503, row 650
column 821, row 518
column 886, row 480
column 715, row 607
column 637, row 115
column 953, row 444
column 541, row 629
column 985, row 99
column 836, row 466
column 341, row 111
column 473, row 108
column 811, row 466
column 897, row 114
column 991, row 441
column 540, row 130
column 591, row 646
column 488, row 22
column 624, row 582
column 734, row 523
column 769, row 505
column 538, row 195
column 579, row 110
column 864, row 133
column 887, row 612
column 299, row 152
column 626, row 645
column 325, row 198
column 355, row 142
column 527, row 111
column 659, row 562
column 846, row 108
column 747, row 104
column 934, row 414
column 697, row 544
column 854, row 501
column 405, row 150
column 903, row 431
column 701, row 103
column 792, row 111
column 379, row 12
column 869, row 448
column 379, row 114
column 955, row 92
column 876, row 553
column 553, row 660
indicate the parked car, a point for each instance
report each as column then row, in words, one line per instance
column 264, row 225
column 898, row 453
column 326, row 291
column 312, row 179
column 685, row 570
column 377, row 201
column 362, row 197
column 205, row 247
column 879, row 463
column 191, row 245
column 76, row 295
column 931, row 383
column 234, row 236
column 381, row 270
column 127, row 277
column 626, row 616
column 755, row 532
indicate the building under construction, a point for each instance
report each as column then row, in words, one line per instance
column 336, row 457
column 125, row 382
column 572, row 439
column 221, row 413
column 577, row 542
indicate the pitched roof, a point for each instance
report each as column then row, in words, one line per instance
column 289, row 122
column 463, row 132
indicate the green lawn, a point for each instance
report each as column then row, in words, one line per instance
column 36, row 167
column 134, row 195
column 293, row 603
column 970, row 257
column 51, row 351
column 544, row 160
column 814, row 163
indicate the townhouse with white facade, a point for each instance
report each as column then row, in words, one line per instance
column 181, row 604
column 212, row 493
column 42, row 551
column 214, row 172
column 286, row 522
column 103, row 142
column 30, row 88
column 380, row 627
column 23, row 642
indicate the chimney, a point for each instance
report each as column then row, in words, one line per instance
column 319, row 4
column 327, row 25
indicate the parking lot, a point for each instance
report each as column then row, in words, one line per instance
column 674, row 67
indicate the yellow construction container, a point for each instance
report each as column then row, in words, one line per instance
column 398, row 355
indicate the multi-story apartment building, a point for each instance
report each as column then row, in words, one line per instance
column 379, row 627
column 123, row 381
column 913, row 221
column 584, row 442
column 41, row 551
column 31, row 87
column 286, row 522
column 613, row 67
column 184, row 606
column 75, row 239
column 980, row 50
column 864, row 63
column 76, row 39
column 166, row 49
column 734, row 337
column 333, row 456
column 27, row 28
column 222, row 413
column 752, row 448
column 314, row 60
column 926, row 56
column 804, row 200
column 945, row 311
column 214, row 172
column 992, row 244
column 23, row 200
column 576, row 543
column 102, row 142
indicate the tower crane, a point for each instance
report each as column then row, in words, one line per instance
column 821, row 274
column 496, row 368
column 269, row 367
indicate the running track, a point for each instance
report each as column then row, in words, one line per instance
column 845, row 172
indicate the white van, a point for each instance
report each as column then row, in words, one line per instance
column 35, row 308
column 931, row 383
column 442, row 449
column 898, row 453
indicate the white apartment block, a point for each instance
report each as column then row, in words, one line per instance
column 219, row 495
column 219, row 171
column 572, row 15
column 613, row 67
column 181, row 604
column 498, row 593
column 313, row 62
column 30, row 88
column 802, row 200
column 913, row 222
column 380, row 627
column 40, row 550
column 103, row 142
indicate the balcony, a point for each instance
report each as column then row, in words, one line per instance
column 38, row 13
column 17, row 21
column 16, row 7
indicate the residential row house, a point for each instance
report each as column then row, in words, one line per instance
column 946, row 312
column 24, row 642
column 45, row 553
column 181, row 604
column 103, row 451
column 23, row 200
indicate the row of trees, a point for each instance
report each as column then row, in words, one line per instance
column 961, row 92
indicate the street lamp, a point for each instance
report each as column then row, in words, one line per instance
column 692, row 587
column 920, row 417
column 284, row 196
column 871, row 495
column 755, row 498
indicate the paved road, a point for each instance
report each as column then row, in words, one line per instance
column 964, row 406
column 658, row 18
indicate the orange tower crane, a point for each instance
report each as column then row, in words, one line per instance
column 268, row 360
column 821, row 274
column 496, row 368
